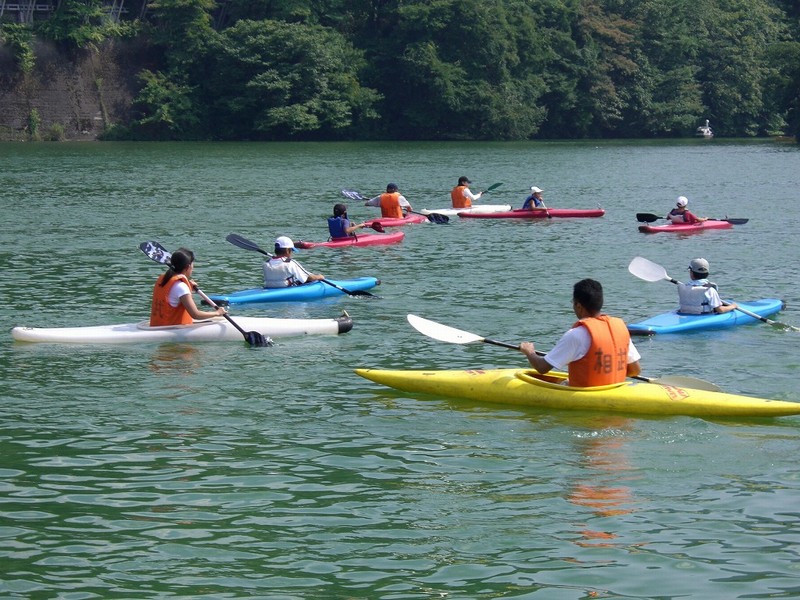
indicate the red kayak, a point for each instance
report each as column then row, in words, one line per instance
column 364, row 239
column 685, row 227
column 536, row 213
column 395, row 222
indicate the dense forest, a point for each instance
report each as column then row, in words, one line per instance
column 442, row 69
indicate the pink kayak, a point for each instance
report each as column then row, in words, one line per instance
column 685, row 227
column 536, row 213
column 364, row 239
column 395, row 222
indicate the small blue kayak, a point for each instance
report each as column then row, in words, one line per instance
column 299, row 293
column 675, row 322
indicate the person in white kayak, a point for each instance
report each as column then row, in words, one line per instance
column 173, row 303
column 461, row 196
column 699, row 296
column 281, row 271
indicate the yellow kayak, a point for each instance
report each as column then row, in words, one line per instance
column 526, row 387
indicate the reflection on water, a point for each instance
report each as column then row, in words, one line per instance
column 605, row 487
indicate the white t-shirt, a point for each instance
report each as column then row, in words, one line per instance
column 176, row 292
column 574, row 345
column 279, row 273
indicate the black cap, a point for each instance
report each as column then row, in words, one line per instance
column 463, row 179
column 391, row 186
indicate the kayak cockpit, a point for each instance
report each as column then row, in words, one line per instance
column 558, row 380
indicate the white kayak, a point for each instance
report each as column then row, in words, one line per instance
column 217, row 329
column 477, row 209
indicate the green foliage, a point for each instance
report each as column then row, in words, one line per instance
column 34, row 124
column 76, row 24
column 165, row 109
column 277, row 80
column 55, row 133
column 19, row 39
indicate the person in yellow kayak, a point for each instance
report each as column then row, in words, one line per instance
column 281, row 271
column 173, row 303
column 392, row 203
column 339, row 226
column 699, row 296
column 597, row 350
column 461, row 196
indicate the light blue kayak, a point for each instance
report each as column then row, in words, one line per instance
column 675, row 322
column 299, row 293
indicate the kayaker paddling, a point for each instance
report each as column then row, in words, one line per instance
column 173, row 303
column 534, row 199
column 281, row 271
column 393, row 204
column 699, row 296
column 339, row 226
column 461, row 196
column 597, row 350
column 681, row 214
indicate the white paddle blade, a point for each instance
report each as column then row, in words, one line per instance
column 440, row 332
column 647, row 270
column 687, row 382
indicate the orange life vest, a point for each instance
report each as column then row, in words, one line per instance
column 606, row 361
column 161, row 313
column 458, row 197
column 390, row 205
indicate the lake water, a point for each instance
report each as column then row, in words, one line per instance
column 222, row 471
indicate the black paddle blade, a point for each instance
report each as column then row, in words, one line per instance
column 377, row 227
column 257, row 340
column 647, row 217
column 736, row 221
column 438, row 218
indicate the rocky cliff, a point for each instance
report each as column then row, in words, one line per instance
column 80, row 93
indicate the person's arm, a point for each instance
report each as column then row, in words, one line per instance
column 725, row 308
column 633, row 369
column 536, row 361
column 404, row 204
column 309, row 276
column 472, row 196
column 376, row 201
column 188, row 303
column 351, row 228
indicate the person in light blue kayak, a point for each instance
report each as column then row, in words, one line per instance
column 339, row 226
column 534, row 200
column 699, row 296
column 281, row 271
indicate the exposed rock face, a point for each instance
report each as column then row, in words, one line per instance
column 82, row 92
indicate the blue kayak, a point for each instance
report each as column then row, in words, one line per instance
column 299, row 293
column 675, row 322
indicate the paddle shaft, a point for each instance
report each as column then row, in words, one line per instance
column 246, row 244
column 513, row 347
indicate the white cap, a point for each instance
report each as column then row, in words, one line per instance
column 683, row 201
column 699, row 266
column 284, row 242
column 536, row 190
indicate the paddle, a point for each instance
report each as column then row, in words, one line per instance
column 650, row 218
column 156, row 252
column 650, row 271
column 494, row 186
column 444, row 333
column 432, row 217
column 246, row 244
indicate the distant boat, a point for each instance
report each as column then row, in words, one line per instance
column 704, row 131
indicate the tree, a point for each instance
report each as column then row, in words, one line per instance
column 278, row 80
